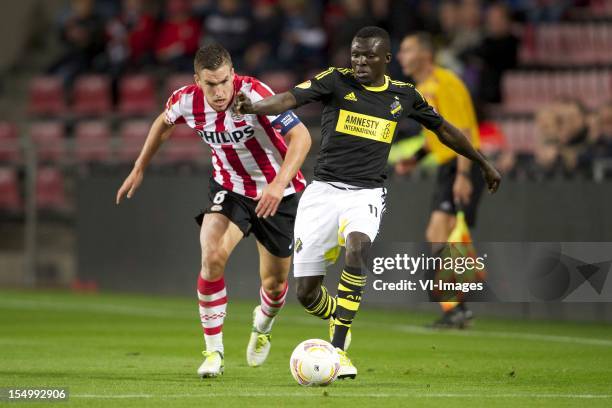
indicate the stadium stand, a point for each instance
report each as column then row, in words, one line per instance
column 92, row 95
column 92, row 142
column 10, row 198
column 46, row 96
column 10, row 150
column 132, row 134
column 50, row 190
column 137, row 95
column 49, row 138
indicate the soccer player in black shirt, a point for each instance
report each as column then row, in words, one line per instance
column 344, row 204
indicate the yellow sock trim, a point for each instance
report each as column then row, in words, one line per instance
column 348, row 304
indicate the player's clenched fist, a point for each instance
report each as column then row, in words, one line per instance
column 131, row 183
column 492, row 176
column 242, row 104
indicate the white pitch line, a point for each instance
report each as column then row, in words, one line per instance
column 91, row 307
column 505, row 335
column 116, row 396
column 179, row 314
column 331, row 393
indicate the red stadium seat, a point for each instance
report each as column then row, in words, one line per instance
column 48, row 138
column 132, row 136
column 10, row 199
column 92, row 95
column 279, row 81
column 175, row 82
column 184, row 146
column 93, row 141
column 10, row 150
column 137, row 95
column 50, row 190
column 46, row 96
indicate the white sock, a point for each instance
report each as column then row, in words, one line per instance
column 264, row 317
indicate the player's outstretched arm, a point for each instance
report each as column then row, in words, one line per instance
column 454, row 139
column 299, row 144
column 160, row 131
column 272, row 105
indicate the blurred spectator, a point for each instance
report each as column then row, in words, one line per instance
column 448, row 17
column 178, row 35
column 497, row 53
column 231, row 25
column 303, row 42
column 202, row 8
column 82, row 35
column 466, row 36
column 546, row 10
column 562, row 139
column 266, row 37
column 355, row 15
column 601, row 143
column 402, row 17
column 130, row 37
column 546, row 153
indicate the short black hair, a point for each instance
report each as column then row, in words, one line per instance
column 424, row 39
column 376, row 32
column 211, row 57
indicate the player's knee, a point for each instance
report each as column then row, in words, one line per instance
column 357, row 249
column 273, row 287
column 213, row 263
column 306, row 293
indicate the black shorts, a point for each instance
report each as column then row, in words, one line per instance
column 274, row 233
column 442, row 199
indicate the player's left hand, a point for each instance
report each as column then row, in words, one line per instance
column 269, row 200
column 491, row 175
column 462, row 189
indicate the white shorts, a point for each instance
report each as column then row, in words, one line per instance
column 325, row 216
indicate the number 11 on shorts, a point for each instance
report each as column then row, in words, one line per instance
column 373, row 210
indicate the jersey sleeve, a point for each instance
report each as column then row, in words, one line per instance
column 284, row 122
column 319, row 88
column 173, row 113
column 423, row 113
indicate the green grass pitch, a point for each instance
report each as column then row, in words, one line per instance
column 139, row 351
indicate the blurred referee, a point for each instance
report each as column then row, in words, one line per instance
column 457, row 181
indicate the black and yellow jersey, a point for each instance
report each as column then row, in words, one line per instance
column 359, row 122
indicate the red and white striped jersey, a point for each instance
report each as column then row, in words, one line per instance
column 247, row 150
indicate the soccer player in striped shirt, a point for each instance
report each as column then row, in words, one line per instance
column 253, row 190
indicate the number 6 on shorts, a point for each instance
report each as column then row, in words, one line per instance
column 219, row 197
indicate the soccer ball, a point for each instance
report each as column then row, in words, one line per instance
column 314, row 362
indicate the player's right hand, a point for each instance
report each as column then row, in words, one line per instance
column 242, row 104
column 131, row 183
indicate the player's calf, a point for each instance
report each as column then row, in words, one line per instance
column 350, row 288
column 314, row 297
